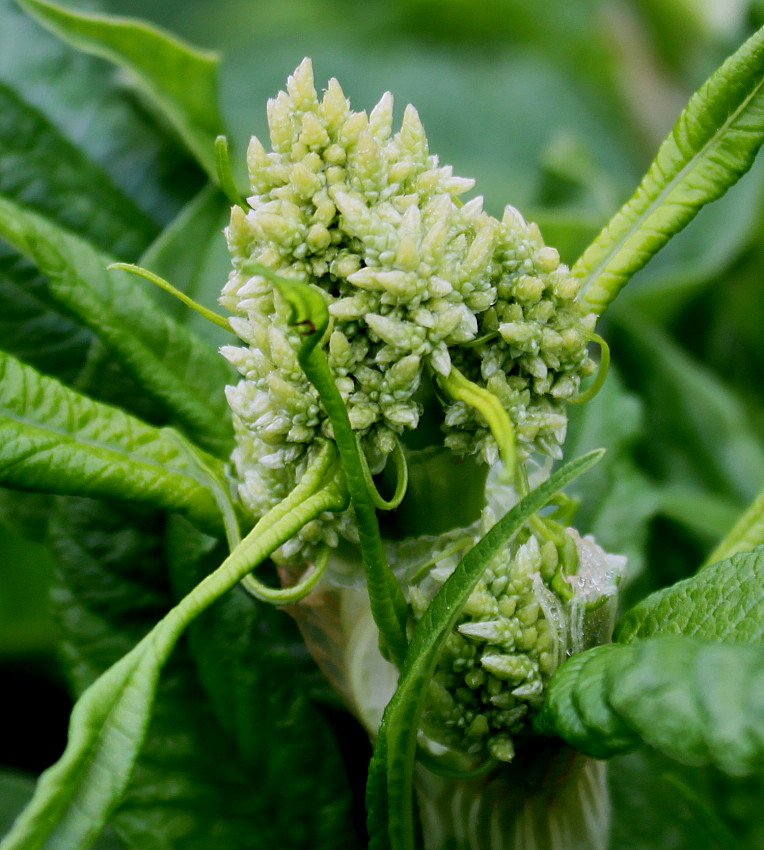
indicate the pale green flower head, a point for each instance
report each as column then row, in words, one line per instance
column 415, row 282
column 517, row 627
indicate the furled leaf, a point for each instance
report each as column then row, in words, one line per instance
column 697, row 702
column 711, row 146
column 109, row 722
column 724, row 601
column 179, row 371
column 193, row 781
column 180, row 80
column 56, row 440
column 389, row 792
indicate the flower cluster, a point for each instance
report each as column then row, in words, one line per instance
column 513, row 633
column 414, row 281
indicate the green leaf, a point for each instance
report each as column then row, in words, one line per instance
column 711, row 146
column 75, row 192
column 181, row 81
column 388, row 605
column 109, row 722
column 697, row 702
column 724, row 601
column 747, row 533
column 55, row 440
column 194, row 778
column 180, row 372
column 389, row 792
column 251, row 660
column 701, row 432
column 617, row 499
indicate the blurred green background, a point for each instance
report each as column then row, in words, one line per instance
column 556, row 107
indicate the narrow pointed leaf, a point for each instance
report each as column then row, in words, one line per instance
column 710, row 147
column 695, row 701
column 746, row 534
column 75, row 797
column 179, row 79
column 181, row 373
column 52, row 439
column 389, row 792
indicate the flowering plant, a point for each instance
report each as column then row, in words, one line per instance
column 385, row 473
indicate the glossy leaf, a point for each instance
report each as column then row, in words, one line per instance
column 697, row 702
column 179, row 371
column 724, row 601
column 711, row 146
column 57, row 441
column 389, row 792
column 179, row 79
column 747, row 533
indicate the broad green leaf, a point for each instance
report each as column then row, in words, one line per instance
column 180, row 80
column 724, row 602
column 76, row 796
column 176, row 369
column 89, row 105
column 41, row 169
column 657, row 802
column 389, row 791
column 697, row 702
column 251, row 661
column 711, row 146
column 56, row 440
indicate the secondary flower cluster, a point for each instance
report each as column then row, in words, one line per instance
column 414, row 281
column 513, row 633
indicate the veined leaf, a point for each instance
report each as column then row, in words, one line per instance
column 389, row 792
column 747, row 533
column 724, row 601
column 711, row 146
column 53, row 439
column 109, row 722
column 179, row 371
column 75, row 191
column 179, row 79
column 697, row 702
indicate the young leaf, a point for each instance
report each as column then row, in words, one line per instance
column 179, row 79
column 389, row 792
column 180, row 372
column 204, row 752
column 747, row 532
column 56, row 440
column 697, row 702
column 75, row 796
column 724, row 601
column 713, row 143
